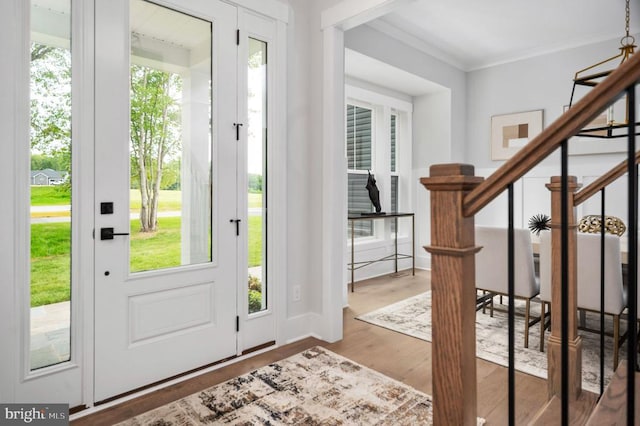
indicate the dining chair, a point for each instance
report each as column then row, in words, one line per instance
column 588, row 280
column 492, row 268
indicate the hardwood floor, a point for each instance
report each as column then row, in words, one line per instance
column 396, row 355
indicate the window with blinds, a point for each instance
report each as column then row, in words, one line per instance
column 359, row 130
column 393, row 143
column 394, row 176
column 394, row 193
column 359, row 158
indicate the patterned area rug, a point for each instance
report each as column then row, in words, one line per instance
column 315, row 387
column 413, row 317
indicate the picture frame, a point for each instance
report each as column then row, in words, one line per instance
column 594, row 146
column 510, row 132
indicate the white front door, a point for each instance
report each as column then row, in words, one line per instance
column 166, row 245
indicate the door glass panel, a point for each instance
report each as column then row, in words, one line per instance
column 171, row 138
column 50, row 137
column 257, row 174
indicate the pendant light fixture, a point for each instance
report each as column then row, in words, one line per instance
column 613, row 123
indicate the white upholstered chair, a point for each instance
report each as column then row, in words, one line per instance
column 492, row 267
column 588, row 277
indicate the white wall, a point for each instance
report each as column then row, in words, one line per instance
column 439, row 119
column 454, row 125
column 300, row 174
column 373, row 43
column 543, row 82
column 355, row 82
column 305, row 173
column 432, row 128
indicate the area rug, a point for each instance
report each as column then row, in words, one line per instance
column 315, row 387
column 413, row 317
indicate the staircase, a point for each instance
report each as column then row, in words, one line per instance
column 612, row 408
column 457, row 195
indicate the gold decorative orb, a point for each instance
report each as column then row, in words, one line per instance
column 592, row 223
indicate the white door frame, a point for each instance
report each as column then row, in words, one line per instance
column 14, row 166
column 18, row 382
column 258, row 328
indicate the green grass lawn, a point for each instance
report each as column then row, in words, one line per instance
column 51, row 244
column 50, row 266
column 158, row 250
column 255, row 200
column 56, row 196
column 169, row 200
column 50, row 196
column 255, row 241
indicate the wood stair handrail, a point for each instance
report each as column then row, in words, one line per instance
column 603, row 181
column 569, row 124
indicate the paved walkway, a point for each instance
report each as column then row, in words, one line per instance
column 133, row 216
column 253, row 211
column 50, row 334
column 50, row 209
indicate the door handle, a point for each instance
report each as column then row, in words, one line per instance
column 108, row 234
column 237, row 221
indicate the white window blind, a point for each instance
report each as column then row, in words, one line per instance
column 359, row 158
column 359, row 130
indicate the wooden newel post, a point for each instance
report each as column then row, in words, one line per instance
column 575, row 341
column 453, row 292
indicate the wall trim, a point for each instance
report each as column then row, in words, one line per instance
column 351, row 13
column 369, row 96
column 271, row 8
column 11, row 42
column 334, row 188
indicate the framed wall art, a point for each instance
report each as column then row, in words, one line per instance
column 510, row 132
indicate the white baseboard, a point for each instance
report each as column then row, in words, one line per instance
column 423, row 262
column 302, row 326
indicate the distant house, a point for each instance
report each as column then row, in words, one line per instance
column 47, row 177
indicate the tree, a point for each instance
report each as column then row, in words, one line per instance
column 50, row 99
column 41, row 162
column 51, row 104
column 39, row 51
column 255, row 183
column 155, row 134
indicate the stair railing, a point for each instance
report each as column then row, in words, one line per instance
column 456, row 196
column 628, row 167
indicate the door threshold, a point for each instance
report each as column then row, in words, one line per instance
column 259, row 347
column 82, row 411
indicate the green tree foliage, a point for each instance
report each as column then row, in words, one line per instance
column 50, row 100
column 255, row 183
column 171, row 175
column 155, row 135
column 41, row 162
column 50, row 131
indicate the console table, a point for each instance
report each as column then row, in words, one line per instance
column 353, row 217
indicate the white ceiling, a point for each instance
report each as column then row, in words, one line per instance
column 481, row 33
column 474, row 34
